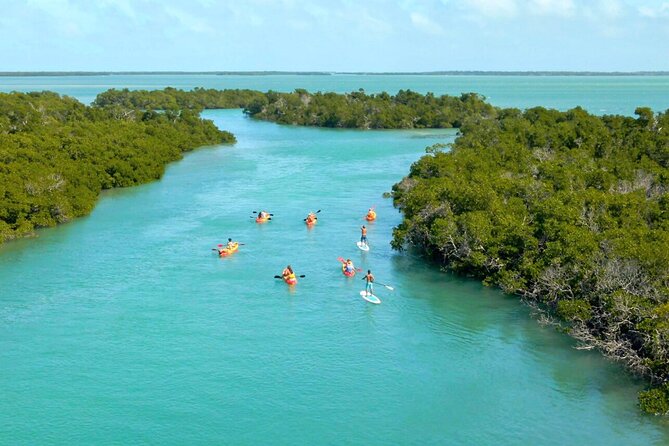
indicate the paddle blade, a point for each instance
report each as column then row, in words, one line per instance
column 278, row 277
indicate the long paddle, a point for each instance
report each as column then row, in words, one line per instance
column 220, row 246
column 253, row 216
column 317, row 212
column 301, row 276
column 255, row 212
column 387, row 286
column 383, row 284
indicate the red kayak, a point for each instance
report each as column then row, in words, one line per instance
column 347, row 273
column 290, row 280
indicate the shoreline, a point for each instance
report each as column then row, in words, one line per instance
column 332, row 73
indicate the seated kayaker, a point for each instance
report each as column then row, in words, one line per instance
column 262, row 215
column 371, row 214
column 349, row 266
column 311, row 218
column 231, row 244
column 288, row 273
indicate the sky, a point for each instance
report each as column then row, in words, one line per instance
column 334, row 35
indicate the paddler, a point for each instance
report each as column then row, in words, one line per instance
column 288, row 273
column 230, row 244
column 349, row 266
column 262, row 215
column 363, row 236
column 371, row 215
column 311, row 218
column 369, row 277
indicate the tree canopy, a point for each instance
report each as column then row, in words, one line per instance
column 405, row 110
column 568, row 210
column 58, row 154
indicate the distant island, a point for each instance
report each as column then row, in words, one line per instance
column 334, row 73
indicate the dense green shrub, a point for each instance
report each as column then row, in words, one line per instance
column 57, row 154
column 564, row 208
column 405, row 110
column 655, row 401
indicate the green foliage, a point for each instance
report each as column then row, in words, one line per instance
column 565, row 208
column 357, row 109
column 655, row 401
column 174, row 99
column 57, row 154
column 574, row 310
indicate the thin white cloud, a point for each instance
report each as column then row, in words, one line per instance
column 563, row 8
column 494, row 8
column 657, row 12
column 189, row 22
column 610, row 9
column 65, row 16
column 125, row 7
column 426, row 24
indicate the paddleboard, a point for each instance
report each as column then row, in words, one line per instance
column 371, row 299
column 362, row 246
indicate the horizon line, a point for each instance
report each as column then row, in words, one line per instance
column 334, row 73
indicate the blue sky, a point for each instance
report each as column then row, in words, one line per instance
column 334, row 35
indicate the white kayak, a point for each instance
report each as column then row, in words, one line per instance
column 370, row 297
column 362, row 246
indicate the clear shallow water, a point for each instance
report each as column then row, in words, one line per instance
column 598, row 94
column 123, row 327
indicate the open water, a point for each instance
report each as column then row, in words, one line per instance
column 125, row 328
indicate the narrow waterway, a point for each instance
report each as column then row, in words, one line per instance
column 124, row 327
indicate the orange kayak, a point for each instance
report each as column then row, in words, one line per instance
column 227, row 251
column 290, row 280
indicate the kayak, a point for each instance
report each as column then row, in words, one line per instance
column 347, row 273
column 227, row 251
column 311, row 222
column 262, row 220
column 371, row 216
column 290, row 280
column 370, row 298
column 362, row 246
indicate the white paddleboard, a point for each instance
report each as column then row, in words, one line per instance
column 362, row 246
column 370, row 298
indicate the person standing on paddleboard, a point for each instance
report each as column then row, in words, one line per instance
column 363, row 237
column 369, row 277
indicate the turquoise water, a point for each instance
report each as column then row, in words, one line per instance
column 598, row 94
column 124, row 328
